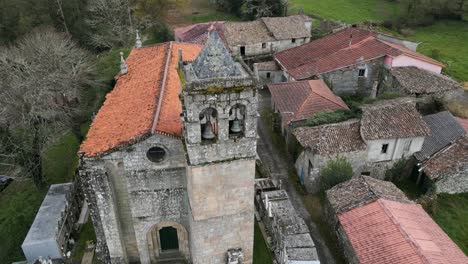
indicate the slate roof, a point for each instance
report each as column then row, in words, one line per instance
column 444, row 131
column 361, row 191
column 386, row 231
column 129, row 111
column 287, row 27
column 246, row 33
column 302, row 100
column 339, row 50
column 332, row 138
column 214, row 60
column 45, row 223
column 452, row 159
column 392, row 119
column 198, row 33
column 418, row 81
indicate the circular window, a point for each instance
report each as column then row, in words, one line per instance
column 156, row 154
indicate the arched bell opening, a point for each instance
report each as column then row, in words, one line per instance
column 237, row 121
column 209, row 125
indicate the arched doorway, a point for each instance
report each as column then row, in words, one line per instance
column 168, row 240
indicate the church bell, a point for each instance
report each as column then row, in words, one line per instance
column 208, row 132
column 235, row 127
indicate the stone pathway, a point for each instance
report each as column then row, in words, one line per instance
column 278, row 165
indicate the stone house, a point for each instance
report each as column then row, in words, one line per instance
column 290, row 236
column 253, row 39
column 268, row 72
column 376, row 223
column 168, row 165
column 351, row 60
column 49, row 234
column 386, row 133
column 295, row 102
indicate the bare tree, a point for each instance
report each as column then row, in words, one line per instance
column 42, row 79
column 110, row 21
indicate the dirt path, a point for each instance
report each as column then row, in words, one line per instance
column 279, row 167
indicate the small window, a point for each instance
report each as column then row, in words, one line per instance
column 263, row 45
column 242, row 50
column 156, row 154
column 365, row 173
column 384, row 148
column 293, row 40
column 407, row 146
column 268, row 75
column 362, row 73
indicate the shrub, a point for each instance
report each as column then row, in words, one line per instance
column 335, row 172
column 329, row 117
column 397, row 171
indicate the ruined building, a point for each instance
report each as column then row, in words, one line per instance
column 168, row 166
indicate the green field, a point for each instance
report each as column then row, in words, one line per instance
column 349, row 11
column 451, row 213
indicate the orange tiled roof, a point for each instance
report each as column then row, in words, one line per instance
column 387, row 231
column 132, row 110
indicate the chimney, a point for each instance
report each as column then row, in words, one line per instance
column 123, row 65
column 138, row 43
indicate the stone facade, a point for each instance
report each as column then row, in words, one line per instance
column 346, row 81
column 197, row 192
column 455, row 182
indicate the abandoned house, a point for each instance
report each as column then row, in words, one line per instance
column 50, row 232
column 387, row 132
column 168, row 165
column 296, row 102
column 413, row 81
column 290, row 237
column 376, row 223
column 253, row 39
column 351, row 60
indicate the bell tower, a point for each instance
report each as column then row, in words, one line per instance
column 220, row 128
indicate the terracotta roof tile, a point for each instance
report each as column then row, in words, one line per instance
column 361, row 191
column 449, row 160
column 392, row 119
column 339, row 50
column 463, row 122
column 332, row 138
column 129, row 110
column 287, row 27
column 246, row 33
column 302, row 100
column 198, row 33
column 388, row 231
column 418, row 81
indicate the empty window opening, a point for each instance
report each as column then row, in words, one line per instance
column 242, row 50
column 263, row 45
column 362, row 72
column 268, row 75
column 311, row 167
column 156, row 154
column 407, row 146
column 293, row 40
column 384, row 148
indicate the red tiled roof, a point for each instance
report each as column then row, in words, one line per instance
column 198, row 33
column 131, row 111
column 463, row 123
column 301, row 100
column 339, row 50
column 387, row 231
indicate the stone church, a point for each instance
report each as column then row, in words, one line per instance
column 168, row 165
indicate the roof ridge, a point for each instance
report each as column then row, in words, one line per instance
column 407, row 237
column 163, row 86
column 332, row 94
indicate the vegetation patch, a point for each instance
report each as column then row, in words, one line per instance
column 261, row 252
column 330, row 117
column 335, row 172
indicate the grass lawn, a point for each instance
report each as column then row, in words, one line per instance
column 451, row 213
column 261, row 254
column 349, row 11
column 448, row 41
